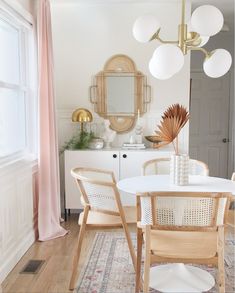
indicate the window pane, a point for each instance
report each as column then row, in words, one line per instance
column 12, row 122
column 9, row 53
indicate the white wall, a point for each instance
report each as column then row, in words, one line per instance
column 27, row 4
column 87, row 33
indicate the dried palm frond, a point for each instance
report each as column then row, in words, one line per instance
column 173, row 120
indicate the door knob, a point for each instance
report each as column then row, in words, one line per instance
column 124, row 156
column 114, row 156
column 224, row 140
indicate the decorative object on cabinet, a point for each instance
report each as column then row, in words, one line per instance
column 173, row 120
column 155, row 140
column 96, row 143
column 82, row 115
column 139, row 128
column 168, row 59
column 78, row 141
column 119, row 91
column 109, row 134
column 133, row 146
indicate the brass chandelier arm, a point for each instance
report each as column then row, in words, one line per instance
column 207, row 54
column 157, row 37
column 166, row 42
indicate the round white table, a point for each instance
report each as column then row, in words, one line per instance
column 178, row 277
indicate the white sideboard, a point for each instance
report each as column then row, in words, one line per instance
column 124, row 164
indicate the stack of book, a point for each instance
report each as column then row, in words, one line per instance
column 133, row 146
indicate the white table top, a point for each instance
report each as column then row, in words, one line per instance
column 198, row 183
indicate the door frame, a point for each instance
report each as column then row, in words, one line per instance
column 231, row 120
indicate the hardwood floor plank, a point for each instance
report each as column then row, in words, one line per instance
column 55, row 273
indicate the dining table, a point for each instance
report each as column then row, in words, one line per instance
column 177, row 277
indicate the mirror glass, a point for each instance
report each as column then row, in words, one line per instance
column 120, row 95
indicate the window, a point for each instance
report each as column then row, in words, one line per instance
column 17, row 94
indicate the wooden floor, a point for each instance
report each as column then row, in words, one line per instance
column 55, row 273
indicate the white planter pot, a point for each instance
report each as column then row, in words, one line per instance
column 179, row 169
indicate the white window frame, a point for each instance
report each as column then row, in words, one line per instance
column 28, row 84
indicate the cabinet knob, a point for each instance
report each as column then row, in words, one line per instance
column 114, row 156
column 124, row 156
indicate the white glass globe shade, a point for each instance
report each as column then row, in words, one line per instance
column 167, row 60
column 204, row 40
column 145, row 27
column 155, row 72
column 218, row 64
column 207, row 20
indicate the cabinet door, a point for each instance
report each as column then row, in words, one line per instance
column 107, row 160
column 131, row 164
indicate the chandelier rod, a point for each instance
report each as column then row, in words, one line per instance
column 183, row 12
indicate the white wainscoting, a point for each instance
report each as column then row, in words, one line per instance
column 18, row 216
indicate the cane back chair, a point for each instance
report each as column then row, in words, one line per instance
column 162, row 166
column 180, row 227
column 102, row 209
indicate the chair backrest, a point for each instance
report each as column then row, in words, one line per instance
column 98, row 188
column 183, row 211
column 162, row 166
column 233, row 176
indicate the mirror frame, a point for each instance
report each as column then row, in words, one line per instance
column 120, row 65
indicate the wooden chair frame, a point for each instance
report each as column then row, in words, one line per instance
column 159, row 160
column 88, row 208
column 150, row 257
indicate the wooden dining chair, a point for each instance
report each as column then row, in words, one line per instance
column 181, row 228
column 102, row 209
column 162, row 166
column 231, row 213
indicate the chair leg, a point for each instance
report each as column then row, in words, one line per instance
column 126, row 230
column 221, row 273
column 147, row 259
column 139, row 257
column 74, row 275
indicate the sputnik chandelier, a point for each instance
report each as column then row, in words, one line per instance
column 168, row 58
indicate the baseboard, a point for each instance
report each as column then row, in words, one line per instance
column 16, row 254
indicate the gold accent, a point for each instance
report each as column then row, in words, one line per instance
column 186, row 41
column 82, row 115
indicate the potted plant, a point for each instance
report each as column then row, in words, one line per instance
column 173, row 120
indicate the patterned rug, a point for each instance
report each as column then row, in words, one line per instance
column 109, row 268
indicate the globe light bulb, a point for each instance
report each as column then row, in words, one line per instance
column 167, row 60
column 155, row 72
column 204, row 39
column 218, row 64
column 207, row 20
column 145, row 27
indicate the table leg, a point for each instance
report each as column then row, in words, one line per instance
column 180, row 278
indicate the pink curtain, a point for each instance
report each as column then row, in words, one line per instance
column 49, row 187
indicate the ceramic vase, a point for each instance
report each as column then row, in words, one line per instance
column 179, row 169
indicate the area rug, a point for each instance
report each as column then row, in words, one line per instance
column 109, row 268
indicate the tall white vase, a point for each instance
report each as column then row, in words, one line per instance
column 179, row 169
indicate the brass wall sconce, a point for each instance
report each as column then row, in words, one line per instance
column 82, row 115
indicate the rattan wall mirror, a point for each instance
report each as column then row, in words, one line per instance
column 119, row 92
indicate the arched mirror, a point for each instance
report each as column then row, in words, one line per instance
column 120, row 92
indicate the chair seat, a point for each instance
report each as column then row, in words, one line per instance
column 96, row 218
column 184, row 244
